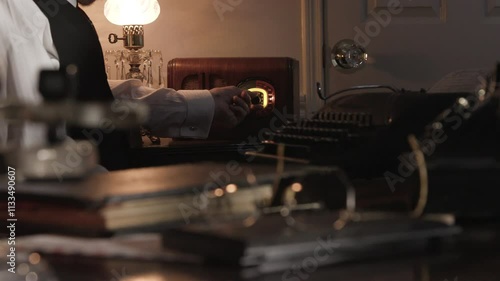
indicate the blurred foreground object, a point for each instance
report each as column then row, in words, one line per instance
column 60, row 157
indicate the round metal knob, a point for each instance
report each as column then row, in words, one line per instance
column 348, row 55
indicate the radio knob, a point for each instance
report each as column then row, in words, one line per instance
column 257, row 99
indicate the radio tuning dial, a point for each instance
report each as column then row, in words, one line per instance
column 265, row 95
column 257, row 99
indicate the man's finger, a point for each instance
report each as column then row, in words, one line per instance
column 247, row 97
column 256, row 107
column 239, row 102
column 239, row 112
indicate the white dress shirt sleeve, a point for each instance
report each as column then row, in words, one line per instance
column 175, row 114
column 26, row 49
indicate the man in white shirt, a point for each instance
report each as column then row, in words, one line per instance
column 28, row 46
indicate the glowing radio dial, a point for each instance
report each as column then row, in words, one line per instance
column 263, row 96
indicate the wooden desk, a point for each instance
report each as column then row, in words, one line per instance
column 474, row 255
column 190, row 151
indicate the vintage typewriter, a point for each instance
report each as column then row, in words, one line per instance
column 360, row 125
column 446, row 143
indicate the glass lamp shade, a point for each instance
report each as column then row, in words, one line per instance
column 131, row 12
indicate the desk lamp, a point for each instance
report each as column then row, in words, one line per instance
column 133, row 15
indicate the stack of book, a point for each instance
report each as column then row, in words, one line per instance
column 149, row 199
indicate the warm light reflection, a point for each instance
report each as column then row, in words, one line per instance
column 219, row 192
column 481, row 92
column 464, row 102
column 23, row 269
column 46, row 154
column 338, row 225
column 231, row 188
column 32, row 276
column 148, row 277
column 34, row 258
column 251, row 179
column 297, row 187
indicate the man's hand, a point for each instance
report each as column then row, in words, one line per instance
column 232, row 105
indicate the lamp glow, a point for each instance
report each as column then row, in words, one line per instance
column 131, row 12
column 132, row 15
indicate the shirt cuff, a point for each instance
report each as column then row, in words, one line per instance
column 200, row 113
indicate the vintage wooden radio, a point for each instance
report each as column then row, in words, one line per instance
column 275, row 80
